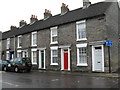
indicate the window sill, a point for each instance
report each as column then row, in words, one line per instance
column 82, row 64
column 84, row 39
column 54, row 43
column 19, row 47
column 34, row 63
column 34, row 45
column 54, row 64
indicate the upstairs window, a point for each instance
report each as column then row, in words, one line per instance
column 8, row 43
column 34, row 38
column 19, row 41
column 54, row 36
column 81, row 30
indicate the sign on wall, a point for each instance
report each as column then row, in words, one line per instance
column 109, row 43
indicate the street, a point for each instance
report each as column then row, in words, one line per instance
column 44, row 79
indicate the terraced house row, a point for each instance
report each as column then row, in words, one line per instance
column 72, row 40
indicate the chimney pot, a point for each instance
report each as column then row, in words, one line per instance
column 12, row 27
column 33, row 19
column 86, row 4
column 64, row 8
column 22, row 23
column 31, row 16
column 63, row 4
column 47, row 14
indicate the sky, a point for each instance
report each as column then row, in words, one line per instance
column 12, row 11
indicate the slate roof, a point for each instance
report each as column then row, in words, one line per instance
column 72, row 16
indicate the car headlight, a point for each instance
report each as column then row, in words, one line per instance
column 9, row 65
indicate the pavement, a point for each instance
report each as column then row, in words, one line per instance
column 109, row 75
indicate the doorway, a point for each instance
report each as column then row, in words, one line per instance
column 98, row 58
column 42, row 59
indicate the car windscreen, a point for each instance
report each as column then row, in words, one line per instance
column 26, row 60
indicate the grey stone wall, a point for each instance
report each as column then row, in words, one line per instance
column 3, row 49
column 12, row 44
column 26, row 41
column 112, row 33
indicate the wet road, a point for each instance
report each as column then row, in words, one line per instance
column 37, row 79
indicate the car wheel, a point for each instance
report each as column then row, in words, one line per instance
column 16, row 69
column 28, row 70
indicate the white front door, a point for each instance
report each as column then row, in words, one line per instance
column 98, row 58
column 42, row 59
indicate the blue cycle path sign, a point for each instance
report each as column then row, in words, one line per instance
column 109, row 43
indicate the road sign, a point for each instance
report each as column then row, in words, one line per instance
column 108, row 43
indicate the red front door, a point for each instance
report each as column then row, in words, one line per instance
column 65, row 60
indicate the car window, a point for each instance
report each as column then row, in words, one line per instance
column 4, row 61
column 26, row 60
column 16, row 59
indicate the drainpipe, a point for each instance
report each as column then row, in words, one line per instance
column 14, row 46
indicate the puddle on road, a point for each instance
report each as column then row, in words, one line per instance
column 53, row 80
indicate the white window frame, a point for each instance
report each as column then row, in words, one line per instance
column 34, row 50
column 33, row 39
column 19, row 51
column 53, row 48
column 78, row 47
column 23, row 53
column 7, row 55
column 19, row 41
column 77, row 23
column 8, row 43
column 53, row 28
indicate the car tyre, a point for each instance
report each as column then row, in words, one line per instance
column 16, row 69
column 28, row 70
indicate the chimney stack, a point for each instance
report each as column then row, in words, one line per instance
column 33, row 19
column 22, row 23
column 47, row 14
column 64, row 9
column 86, row 4
column 13, row 27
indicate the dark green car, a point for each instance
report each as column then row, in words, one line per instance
column 19, row 64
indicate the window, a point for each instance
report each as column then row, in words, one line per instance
column 54, row 55
column 19, row 41
column 19, row 53
column 7, row 55
column 81, row 30
column 81, row 55
column 25, row 54
column 34, row 38
column 54, row 37
column 34, row 56
column 8, row 43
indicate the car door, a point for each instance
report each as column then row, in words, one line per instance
column 12, row 63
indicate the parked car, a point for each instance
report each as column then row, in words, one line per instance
column 3, row 64
column 19, row 64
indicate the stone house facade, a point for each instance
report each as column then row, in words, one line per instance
column 71, row 41
column 0, row 44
